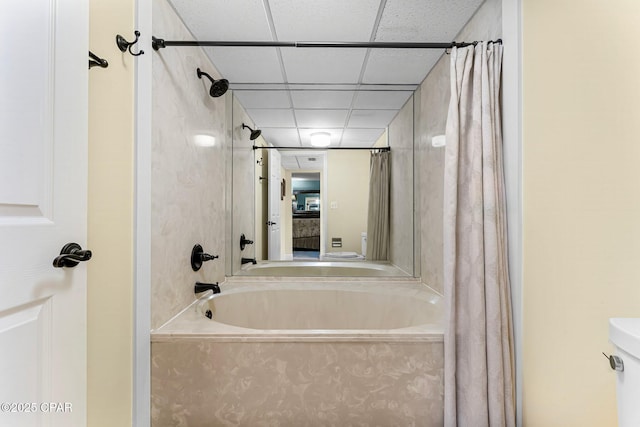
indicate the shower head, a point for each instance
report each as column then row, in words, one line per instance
column 218, row 87
column 254, row 133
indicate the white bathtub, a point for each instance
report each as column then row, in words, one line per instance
column 312, row 352
column 344, row 268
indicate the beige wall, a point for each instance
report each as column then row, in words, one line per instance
column 286, row 217
column 348, row 187
column 581, row 203
column 110, row 218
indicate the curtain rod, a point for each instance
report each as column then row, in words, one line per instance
column 257, row 147
column 159, row 43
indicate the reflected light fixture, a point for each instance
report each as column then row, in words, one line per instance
column 320, row 139
column 203, row 140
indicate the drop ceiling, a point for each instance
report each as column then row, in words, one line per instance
column 353, row 94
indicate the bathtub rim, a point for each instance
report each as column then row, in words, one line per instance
column 190, row 325
column 386, row 268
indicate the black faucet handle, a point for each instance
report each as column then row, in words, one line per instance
column 207, row 257
column 244, row 241
column 198, row 256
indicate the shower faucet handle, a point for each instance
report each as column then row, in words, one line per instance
column 244, row 242
column 198, row 256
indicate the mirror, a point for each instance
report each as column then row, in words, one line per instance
column 315, row 202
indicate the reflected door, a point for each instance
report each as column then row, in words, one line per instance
column 43, row 186
column 274, row 193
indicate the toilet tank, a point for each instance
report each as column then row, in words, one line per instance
column 624, row 334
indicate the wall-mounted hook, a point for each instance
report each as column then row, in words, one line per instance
column 262, row 179
column 260, row 162
column 124, row 45
column 95, row 60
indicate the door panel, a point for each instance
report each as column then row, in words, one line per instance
column 43, row 186
column 275, row 189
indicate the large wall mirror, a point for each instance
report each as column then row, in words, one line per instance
column 306, row 210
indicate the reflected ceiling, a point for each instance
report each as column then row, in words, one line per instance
column 351, row 93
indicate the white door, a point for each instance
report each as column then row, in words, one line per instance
column 274, row 192
column 43, row 186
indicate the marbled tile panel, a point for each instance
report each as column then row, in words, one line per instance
column 296, row 384
column 188, row 181
column 401, row 197
column 434, row 92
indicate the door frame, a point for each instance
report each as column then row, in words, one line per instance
column 141, row 387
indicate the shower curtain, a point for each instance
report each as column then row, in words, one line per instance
column 378, row 214
column 478, row 342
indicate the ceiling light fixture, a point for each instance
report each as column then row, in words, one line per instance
column 320, row 139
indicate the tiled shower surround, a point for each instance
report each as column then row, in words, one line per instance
column 202, row 380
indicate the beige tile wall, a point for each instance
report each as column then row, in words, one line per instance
column 433, row 96
column 401, row 214
column 188, row 181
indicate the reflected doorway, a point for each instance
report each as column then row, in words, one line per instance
column 306, row 210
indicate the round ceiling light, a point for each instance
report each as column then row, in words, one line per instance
column 320, row 139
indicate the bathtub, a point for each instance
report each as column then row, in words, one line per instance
column 295, row 353
column 344, row 268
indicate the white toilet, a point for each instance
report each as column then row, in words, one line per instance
column 624, row 333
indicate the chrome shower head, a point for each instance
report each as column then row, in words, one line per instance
column 218, row 87
column 254, row 133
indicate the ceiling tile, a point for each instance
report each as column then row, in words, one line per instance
column 312, row 161
column 247, row 64
column 360, row 137
column 371, row 118
column 289, row 162
column 424, row 21
column 281, row 137
column 241, row 20
column 408, row 66
column 322, row 99
column 381, row 100
column 321, row 65
column 312, row 20
column 263, row 98
column 321, row 118
column 271, row 117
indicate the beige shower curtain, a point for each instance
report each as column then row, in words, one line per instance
column 378, row 216
column 479, row 367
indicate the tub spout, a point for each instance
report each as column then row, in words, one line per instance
column 201, row 287
column 249, row 260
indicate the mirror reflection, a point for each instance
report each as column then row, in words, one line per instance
column 317, row 208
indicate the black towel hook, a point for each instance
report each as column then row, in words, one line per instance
column 95, row 60
column 124, row 45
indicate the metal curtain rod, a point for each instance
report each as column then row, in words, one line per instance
column 257, row 147
column 158, row 43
